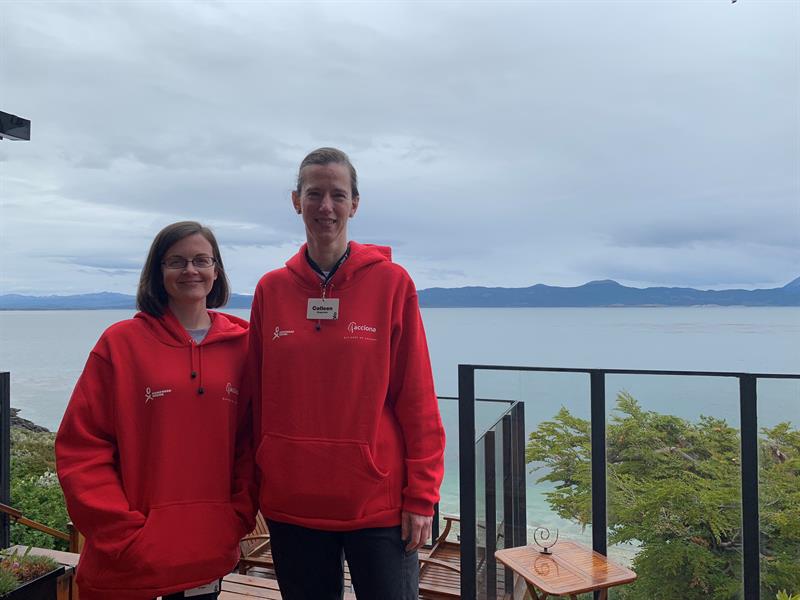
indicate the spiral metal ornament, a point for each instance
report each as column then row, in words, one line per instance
column 541, row 537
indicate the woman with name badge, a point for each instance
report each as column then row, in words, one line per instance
column 154, row 452
column 350, row 441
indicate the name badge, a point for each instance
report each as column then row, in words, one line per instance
column 326, row 309
column 203, row 589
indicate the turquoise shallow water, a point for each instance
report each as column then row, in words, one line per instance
column 45, row 352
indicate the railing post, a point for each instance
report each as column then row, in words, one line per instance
column 5, row 453
column 518, row 454
column 435, row 524
column 597, row 381
column 466, row 471
column 490, row 495
column 748, row 406
column 509, row 495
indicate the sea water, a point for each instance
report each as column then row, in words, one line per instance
column 46, row 350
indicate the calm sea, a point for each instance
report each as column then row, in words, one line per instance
column 45, row 352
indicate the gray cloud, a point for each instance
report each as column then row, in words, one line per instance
column 497, row 144
column 103, row 264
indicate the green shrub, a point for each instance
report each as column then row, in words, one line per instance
column 35, row 490
column 7, row 581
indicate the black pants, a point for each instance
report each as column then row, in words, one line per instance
column 309, row 563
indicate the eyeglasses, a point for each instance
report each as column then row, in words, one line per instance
column 179, row 262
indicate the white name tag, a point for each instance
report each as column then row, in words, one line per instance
column 323, row 309
column 203, row 589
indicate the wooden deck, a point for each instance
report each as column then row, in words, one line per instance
column 234, row 586
column 240, row 587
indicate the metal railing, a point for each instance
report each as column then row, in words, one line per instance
column 18, row 517
column 509, row 529
column 597, row 379
column 503, row 439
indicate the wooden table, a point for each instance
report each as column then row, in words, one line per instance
column 570, row 570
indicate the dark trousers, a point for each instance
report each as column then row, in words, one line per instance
column 309, row 563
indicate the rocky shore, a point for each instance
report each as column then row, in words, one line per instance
column 20, row 423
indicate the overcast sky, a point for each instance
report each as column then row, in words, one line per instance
column 498, row 144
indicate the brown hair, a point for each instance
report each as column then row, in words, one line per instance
column 151, row 297
column 327, row 156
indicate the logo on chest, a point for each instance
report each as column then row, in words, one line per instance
column 279, row 333
column 150, row 394
column 358, row 331
column 231, row 394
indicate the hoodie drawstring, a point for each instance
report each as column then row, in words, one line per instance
column 200, row 390
column 197, row 372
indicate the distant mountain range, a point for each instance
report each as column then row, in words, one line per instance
column 594, row 293
column 607, row 293
column 98, row 301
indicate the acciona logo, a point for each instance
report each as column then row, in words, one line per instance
column 353, row 327
column 230, row 392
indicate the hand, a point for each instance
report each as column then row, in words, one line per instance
column 415, row 529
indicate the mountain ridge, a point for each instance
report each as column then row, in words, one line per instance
column 597, row 293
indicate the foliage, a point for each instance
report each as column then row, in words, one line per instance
column 7, row 582
column 674, row 491
column 16, row 569
column 780, row 508
column 35, row 490
column 783, row 595
column 32, row 452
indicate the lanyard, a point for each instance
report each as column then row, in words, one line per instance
column 320, row 272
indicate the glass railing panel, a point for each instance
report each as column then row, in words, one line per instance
column 552, row 401
column 494, row 393
column 674, row 485
column 779, row 485
column 487, row 414
column 448, row 503
column 492, row 469
column 558, row 454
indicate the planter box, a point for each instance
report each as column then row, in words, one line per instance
column 41, row 588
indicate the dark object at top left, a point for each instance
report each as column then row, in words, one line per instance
column 13, row 127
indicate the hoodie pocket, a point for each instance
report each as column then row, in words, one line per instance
column 178, row 544
column 320, row 478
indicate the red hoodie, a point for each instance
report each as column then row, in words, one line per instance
column 155, row 459
column 345, row 410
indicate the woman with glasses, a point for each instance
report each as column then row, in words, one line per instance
column 154, row 451
column 350, row 439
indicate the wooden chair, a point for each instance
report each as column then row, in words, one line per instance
column 440, row 570
column 255, row 548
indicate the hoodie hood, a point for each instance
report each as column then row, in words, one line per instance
column 168, row 330
column 361, row 259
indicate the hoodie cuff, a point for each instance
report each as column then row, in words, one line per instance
column 418, row 506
